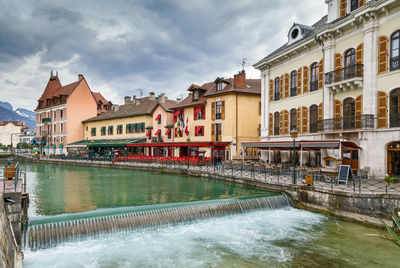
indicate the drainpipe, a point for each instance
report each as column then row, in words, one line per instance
column 237, row 124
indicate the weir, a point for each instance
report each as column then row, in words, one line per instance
column 49, row 231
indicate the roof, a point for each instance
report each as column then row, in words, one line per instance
column 99, row 98
column 210, row 88
column 307, row 31
column 15, row 123
column 145, row 107
column 167, row 104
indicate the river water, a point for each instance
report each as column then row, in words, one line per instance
column 285, row 237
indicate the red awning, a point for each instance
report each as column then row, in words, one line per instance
column 198, row 130
column 168, row 131
column 148, row 133
column 157, row 132
column 158, row 117
column 176, row 113
column 197, row 110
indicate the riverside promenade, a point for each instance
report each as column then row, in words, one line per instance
column 361, row 199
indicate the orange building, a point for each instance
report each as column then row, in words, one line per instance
column 61, row 109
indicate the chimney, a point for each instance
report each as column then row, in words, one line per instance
column 137, row 102
column 162, row 98
column 178, row 99
column 152, row 96
column 239, row 80
column 127, row 100
column 116, row 108
column 133, row 98
column 80, row 77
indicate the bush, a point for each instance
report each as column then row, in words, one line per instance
column 392, row 179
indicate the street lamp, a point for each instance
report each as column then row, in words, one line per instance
column 293, row 134
column 188, row 141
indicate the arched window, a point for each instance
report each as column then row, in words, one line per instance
column 293, row 83
column 277, row 88
column 314, row 76
column 313, row 118
column 293, row 119
column 349, row 110
column 276, row 123
column 395, row 108
column 349, row 63
column 353, row 5
column 394, row 51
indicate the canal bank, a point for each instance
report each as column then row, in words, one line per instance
column 343, row 202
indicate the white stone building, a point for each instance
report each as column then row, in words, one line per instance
column 337, row 80
column 10, row 132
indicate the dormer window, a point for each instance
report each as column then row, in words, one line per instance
column 196, row 95
column 219, row 86
column 297, row 32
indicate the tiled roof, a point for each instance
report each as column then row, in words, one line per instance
column 146, row 107
column 99, row 98
column 167, row 105
column 15, row 123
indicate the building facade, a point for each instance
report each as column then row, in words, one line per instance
column 11, row 132
column 218, row 116
column 60, row 111
column 338, row 79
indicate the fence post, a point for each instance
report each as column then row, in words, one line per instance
column 359, row 185
column 386, row 188
column 232, row 168
column 331, row 185
column 241, row 170
column 265, row 173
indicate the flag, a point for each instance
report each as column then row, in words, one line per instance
column 187, row 126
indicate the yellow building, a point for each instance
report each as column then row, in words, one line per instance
column 337, row 80
column 218, row 116
column 129, row 127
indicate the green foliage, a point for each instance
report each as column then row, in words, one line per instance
column 392, row 179
column 396, row 237
column 25, row 146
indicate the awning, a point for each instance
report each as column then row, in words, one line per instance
column 134, row 125
column 105, row 143
column 110, row 127
column 197, row 110
column 148, row 133
column 176, row 113
column 168, row 131
column 157, row 132
column 181, row 144
column 158, row 116
column 311, row 145
column 141, row 125
column 198, row 129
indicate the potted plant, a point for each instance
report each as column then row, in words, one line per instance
column 391, row 179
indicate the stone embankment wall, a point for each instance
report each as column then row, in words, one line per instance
column 359, row 207
column 9, row 250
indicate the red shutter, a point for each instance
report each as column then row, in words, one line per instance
column 203, row 109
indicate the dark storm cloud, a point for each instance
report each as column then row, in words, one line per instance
column 156, row 45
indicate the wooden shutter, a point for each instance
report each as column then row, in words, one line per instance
column 299, row 75
column 304, row 115
column 287, row 85
column 305, row 79
column 338, row 66
column 213, row 110
column 320, row 111
column 286, row 122
column 281, row 88
column 212, row 132
column 223, row 110
column 271, row 90
column 343, row 8
column 298, row 120
column 321, row 74
column 382, row 109
column 359, row 53
column 281, row 123
column 259, row 108
column 271, row 124
column 361, row 3
column 382, row 54
column 338, row 114
column 359, row 110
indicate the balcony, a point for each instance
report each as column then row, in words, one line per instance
column 348, row 123
column 394, row 120
column 46, row 120
column 345, row 79
column 394, row 63
column 276, row 131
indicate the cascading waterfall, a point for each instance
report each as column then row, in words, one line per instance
column 50, row 231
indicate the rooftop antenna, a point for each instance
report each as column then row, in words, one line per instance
column 140, row 91
column 243, row 63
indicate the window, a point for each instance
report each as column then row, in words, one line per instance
column 394, row 51
column 98, row 106
column 313, row 118
column 93, row 131
column 110, row 130
column 158, row 119
column 119, row 129
column 87, row 128
column 61, row 127
column 103, row 131
column 314, row 77
column 293, row 119
column 349, row 113
column 199, row 131
column 276, row 123
column 395, row 108
column 61, row 113
column 169, row 133
column 218, row 110
column 293, row 83
column 196, row 95
column 277, row 88
column 353, row 5
column 219, row 86
column 55, row 114
column 55, row 128
column 349, row 63
column 218, row 132
column 199, row 113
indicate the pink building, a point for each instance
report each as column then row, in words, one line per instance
column 61, row 109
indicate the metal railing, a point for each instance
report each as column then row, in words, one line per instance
column 278, row 174
column 293, row 91
column 394, row 63
column 276, row 131
column 314, row 85
column 394, row 120
column 17, row 183
column 346, row 73
column 365, row 121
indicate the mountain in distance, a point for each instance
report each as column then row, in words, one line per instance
column 26, row 116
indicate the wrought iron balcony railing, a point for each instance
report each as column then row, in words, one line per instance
column 394, row 63
column 46, row 120
column 346, row 73
column 366, row 121
column 314, row 85
column 276, row 131
column 313, row 127
column 293, row 91
column 394, row 120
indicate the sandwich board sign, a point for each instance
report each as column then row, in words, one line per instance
column 344, row 174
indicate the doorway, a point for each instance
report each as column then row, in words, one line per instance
column 394, row 159
column 350, row 157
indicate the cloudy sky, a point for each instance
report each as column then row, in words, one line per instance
column 121, row 46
